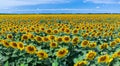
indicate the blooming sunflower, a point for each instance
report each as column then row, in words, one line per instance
column 42, row 54
column 30, row 49
column 92, row 45
column 45, row 39
column 13, row 44
column 5, row 43
column 62, row 53
column 9, row 36
column 38, row 39
column 113, row 44
column 103, row 59
column 66, row 39
column 24, row 37
column 59, row 39
column 51, row 37
column 53, row 44
column 85, row 43
column 20, row 45
column 81, row 63
column 104, row 46
column 91, row 55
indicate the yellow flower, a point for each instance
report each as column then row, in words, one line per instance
column 103, row 59
column 45, row 39
column 75, row 31
column 66, row 39
column 85, row 43
column 51, row 37
column 81, row 63
column 20, row 45
column 59, row 39
column 5, row 43
column 62, row 53
column 113, row 44
column 91, row 55
column 31, row 49
column 92, row 45
column 53, row 44
column 42, row 54
column 104, row 46
column 38, row 39
column 13, row 44
column 9, row 36
column 24, row 37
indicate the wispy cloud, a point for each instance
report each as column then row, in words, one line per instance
column 15, row 3
column 104, row 1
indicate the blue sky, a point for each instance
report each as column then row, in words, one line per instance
column 59, row 6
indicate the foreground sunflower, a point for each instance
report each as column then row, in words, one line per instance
column 13, row 44
column 20, row 45
column 103, row 59
column 81, row 63
column 91, row 55
column 5, row 43
column 30, row 49
column 9, row 36
column 62, row 53
column 42, row 54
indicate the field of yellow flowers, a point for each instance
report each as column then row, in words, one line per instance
column 60, row 40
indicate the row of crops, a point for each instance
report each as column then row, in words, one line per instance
column 60, row 40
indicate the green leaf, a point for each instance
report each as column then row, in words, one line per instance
column 55, row 63
column 29, row 60
column 6, row 63
column 22, row 65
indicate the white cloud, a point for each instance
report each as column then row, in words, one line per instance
column 104, row 1
column 97, row 7
column 14, row 3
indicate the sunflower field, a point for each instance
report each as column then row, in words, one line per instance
column 60, row 40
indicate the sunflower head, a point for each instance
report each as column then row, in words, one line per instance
column 62, row 53
column 42, row 54
column 81, row 63
column 30, row 49
column 24, row 37
column 59, row 39
column 38, row 39
column 85, row 43
column 91, row 55
column 9, row 36
column 66, row 39
column 113, row 44
column 20, row 45
column 103, row 59
column 5, row 43
column 13, row 44
column 104, row 46
column 53, row 44
column 92, row 45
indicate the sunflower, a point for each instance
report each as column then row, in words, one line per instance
column 104, row 46
column 91, row 55
column 75, row 40
column 55, row 31
column 9, row 36
column 5, row 43
column 37, row 31
column 20, row 45
column 103, row 59
column 59, row 39
column 45, row 39
column 81, row 63
column 24, row 37
column 62, row 53
column 66, row 39
column 38, row 39
column 51, row 37
column 67, row 31
column 118, row 54
column 13, row 44
column 53, row 44
column 42, row 54
column 117, row 40
column 30, row 36
column 85, row 35
column 75, row 31
column 30, row 49
column 113, row 44
column 49, row 31
column 85, row 43
column 92, row 45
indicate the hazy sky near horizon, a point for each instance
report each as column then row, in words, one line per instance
column 59, row 6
